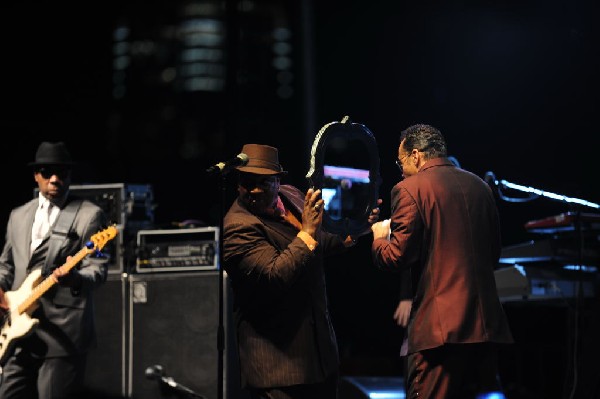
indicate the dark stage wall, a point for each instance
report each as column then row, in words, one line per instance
column 512, row 85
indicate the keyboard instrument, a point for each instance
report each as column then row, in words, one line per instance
column 562, row 263
column 565, row 222
column 529, row 283
column 556, row 250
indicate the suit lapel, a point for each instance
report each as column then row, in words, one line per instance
column 29, row 215
column 22, row 237
column 272, row 226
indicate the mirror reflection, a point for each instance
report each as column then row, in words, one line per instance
column 345, row 166
column 345, row 178
column 345, row 191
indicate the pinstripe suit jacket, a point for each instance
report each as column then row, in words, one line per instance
column 284, row 332
column 66, row 320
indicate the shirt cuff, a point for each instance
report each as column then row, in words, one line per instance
column 308, row 240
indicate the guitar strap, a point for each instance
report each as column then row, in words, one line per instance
column 60, row 232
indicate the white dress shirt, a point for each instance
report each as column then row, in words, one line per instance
column 45, row 216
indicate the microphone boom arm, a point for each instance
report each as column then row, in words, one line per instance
column 156, row 372
column 534, row 193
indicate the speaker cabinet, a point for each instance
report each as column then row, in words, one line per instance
column 174, row 324
column 106, row 364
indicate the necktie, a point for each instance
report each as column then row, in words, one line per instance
column 47, row 219
column 41, row 224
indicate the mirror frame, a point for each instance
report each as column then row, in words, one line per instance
column 347, row 130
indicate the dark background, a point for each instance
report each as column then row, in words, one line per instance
column 513, row 85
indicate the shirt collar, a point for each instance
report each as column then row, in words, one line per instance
column 43, row 202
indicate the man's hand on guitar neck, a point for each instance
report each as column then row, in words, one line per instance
column 71, row 278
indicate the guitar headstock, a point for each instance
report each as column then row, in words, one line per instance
column 100, row 239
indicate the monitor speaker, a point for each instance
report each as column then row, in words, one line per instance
column 173, row 330
column 106, row 364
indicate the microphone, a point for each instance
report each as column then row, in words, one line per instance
column 157, row 372
column 241, row 159
column 490, row 179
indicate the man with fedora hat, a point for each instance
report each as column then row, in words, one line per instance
column 49, row 361
column 273, row 250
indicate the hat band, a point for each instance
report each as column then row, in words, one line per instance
column 263, row 163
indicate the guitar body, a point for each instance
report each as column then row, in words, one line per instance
column 18, row 325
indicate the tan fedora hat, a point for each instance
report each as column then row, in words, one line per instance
column 262, row 160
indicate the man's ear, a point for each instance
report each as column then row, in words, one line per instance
column 416, row 156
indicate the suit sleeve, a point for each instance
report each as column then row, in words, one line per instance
column 94, row 268
column 260, row 263
column 7, row 264
column 403, row 248
column 332, row 244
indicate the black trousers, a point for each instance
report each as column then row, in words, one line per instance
column 461, row 371
column 28, row 377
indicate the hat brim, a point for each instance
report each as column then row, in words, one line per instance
column 260, row 171
column 51, row 163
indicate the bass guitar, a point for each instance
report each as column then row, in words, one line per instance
column 18, row 322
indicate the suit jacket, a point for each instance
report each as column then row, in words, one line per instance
column 66, row 317
column 284, row 331
column 445, row 227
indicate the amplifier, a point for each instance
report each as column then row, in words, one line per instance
column 129, row 206
column 123, row 204
column 177, row 250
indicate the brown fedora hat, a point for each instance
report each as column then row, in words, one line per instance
column 262, row 160
column 52, row 154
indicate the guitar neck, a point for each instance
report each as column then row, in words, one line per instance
column 48, row 282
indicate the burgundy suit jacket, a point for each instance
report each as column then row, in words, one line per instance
column 283, row 328
column 445, row 227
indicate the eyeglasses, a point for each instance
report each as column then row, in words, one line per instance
column 400, row 161
column 49, row 171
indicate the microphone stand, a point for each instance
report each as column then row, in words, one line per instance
column 168, row 384
column 223, row 169
column 220, row 330
column 222, row 172
column 221, row 326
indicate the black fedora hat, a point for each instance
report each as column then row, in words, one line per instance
column 52, row 154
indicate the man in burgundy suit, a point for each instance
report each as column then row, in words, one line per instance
column 273, row 250
column 445, row 228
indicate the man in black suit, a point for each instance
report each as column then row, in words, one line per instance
column 49, row 363
column 273, row 254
